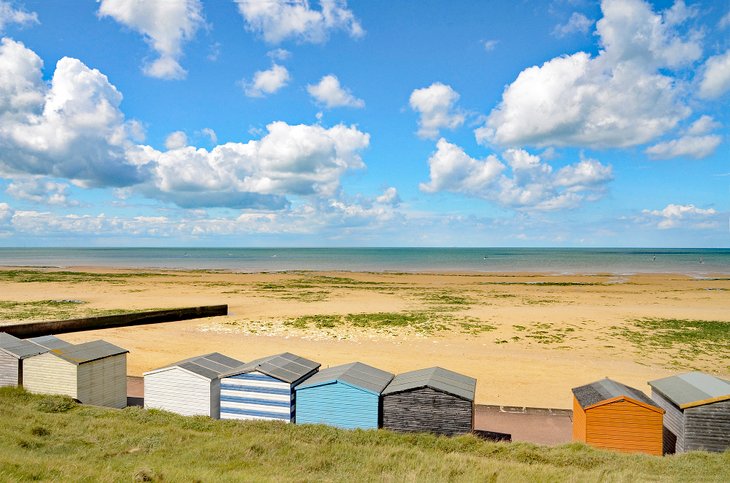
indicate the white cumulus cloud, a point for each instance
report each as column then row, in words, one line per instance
column 72, row 128
column 674, row 216
column 266, row 82
column 289, row 160
column 621, row 97
column 436, row 105
column 696, row 147
column 176, row 140
column 522, row 181
column 329, row 93
column 576, row 23
column 716, row 76
column 703, row 125
column 6, row 213
column 165, row 25
column 41, row 191
column 9, row 14
column 279, row 20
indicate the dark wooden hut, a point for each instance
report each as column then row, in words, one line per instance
column 433, row 400
column 697, row 409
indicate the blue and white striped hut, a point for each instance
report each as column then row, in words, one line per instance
column 346, row 396
column 264, row 388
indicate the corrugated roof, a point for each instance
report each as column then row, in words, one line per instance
column 210, row 366
column 692, row 389
column 49, row 342
column 286, row 367
column 356, row 374
column 88, row 351
column 19, row 348
column 436, row 378
column 605, row 389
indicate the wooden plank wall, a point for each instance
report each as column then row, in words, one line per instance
column 178, row 391
column 36, row 329
column 255, row 395
column 103, row 382
column 707, row 427
column 579, row 422
column 673, row 422
column 338, row 404
column 625, row 426
column 48, row 374
column 9, row 369
column 427, row 410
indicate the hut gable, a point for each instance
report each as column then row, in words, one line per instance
column 433, row 400
column 346, row 396
column 357, row 375
column 12, row 353
column 436, row 378
column 697, row 409
column 188, row 387
column 264, row 388
column 611, row 415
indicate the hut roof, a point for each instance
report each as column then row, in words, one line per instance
column 88, row 351
column 692, row 389
column 605, row 389
column 49, row 342
column 286, row 367
column 19, row 348
column 210, row 366
column 355, row 374
column 436, row 378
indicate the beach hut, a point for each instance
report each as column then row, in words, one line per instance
column 92, row 373
column 264, row 388
column 49, row 342
column 189, row 387
column 346, row 396
column 610, row 415
column 432, row 400
column 12, row 353
column 697, row 409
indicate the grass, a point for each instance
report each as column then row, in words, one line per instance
column 85, row 444
column 683, row 341
column 49, row 310
column 42, row 276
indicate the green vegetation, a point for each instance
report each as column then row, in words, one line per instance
column 49, row 310
column 545, row 284
column 42, row 276
column 684, row 342
column 422, row 322
column 541, row 332
column 84, row 443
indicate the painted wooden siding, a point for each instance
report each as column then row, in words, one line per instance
column 624, row 426
column 256, row 396
column 10, row 368
column 707, row 427
column 46, row 373
column 103, row 382
column 427, row 410
column 338, row 404
column 579, row 422
column 178, row 391
column 673, row 423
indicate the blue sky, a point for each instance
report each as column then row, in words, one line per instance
column 364, row 123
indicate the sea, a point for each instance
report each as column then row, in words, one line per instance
column 617, row 261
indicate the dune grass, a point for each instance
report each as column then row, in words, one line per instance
column 16, row 311
column 44, row 276
column 52, row 438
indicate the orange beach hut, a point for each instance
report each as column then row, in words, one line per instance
column 610, row 415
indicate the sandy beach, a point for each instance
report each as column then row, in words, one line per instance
column 527, row 338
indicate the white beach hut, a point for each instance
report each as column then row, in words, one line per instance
column 12, row 353
column 92, row 373
column 189, row 387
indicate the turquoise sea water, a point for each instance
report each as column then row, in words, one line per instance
column 698, row 262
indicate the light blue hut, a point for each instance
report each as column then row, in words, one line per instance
column 346, row 396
